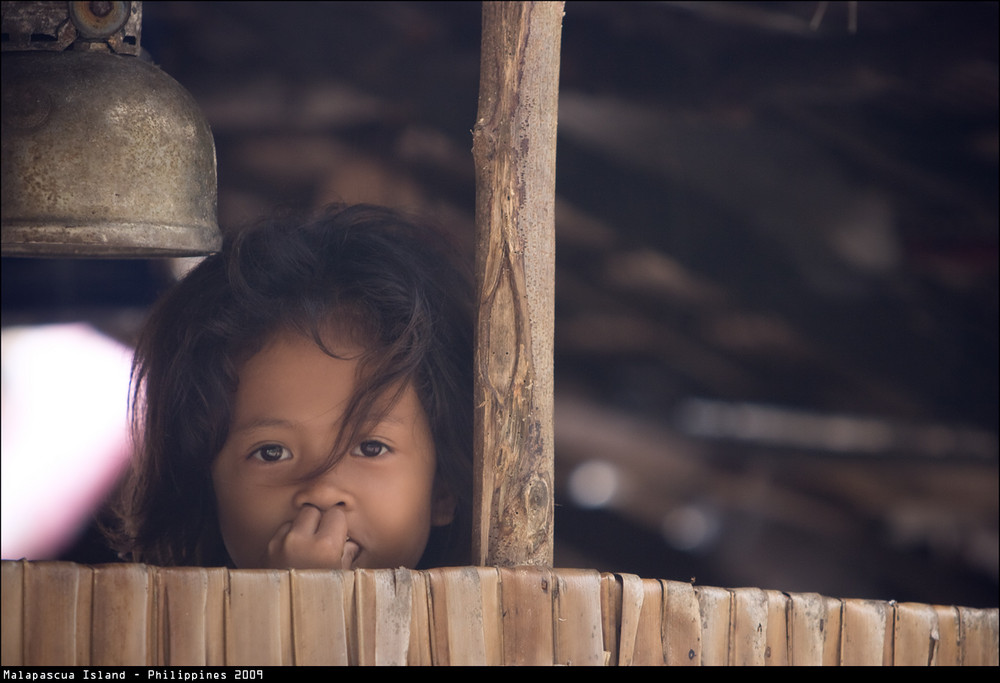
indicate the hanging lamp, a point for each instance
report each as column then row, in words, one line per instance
column 104, row 155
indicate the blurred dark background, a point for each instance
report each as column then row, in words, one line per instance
column 777, row 291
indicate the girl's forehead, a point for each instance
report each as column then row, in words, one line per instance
column 295, row 366
column 289, row 360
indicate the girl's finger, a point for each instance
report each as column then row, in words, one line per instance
column 333, row 525
column 307, row 521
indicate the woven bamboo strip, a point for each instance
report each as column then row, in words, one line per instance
column 863, row 633
column 182, row 609
column 833, row 631
column 394, row 610
column 490, row 591
column 949, row 627
column 978, row 636
column 458, row 617
column 748, row 627
column 258, row 618
column 364, row 616
column 648, row 650
column 715, row 609
column 681, row 624
column 526, row 608
column 59, row 613
column 12, row 606
column 611, row 616
column 631, row 609
column 889, row 645
column 319, row 622
column 776, row 639
column 215, row 618
column 419, row 651
column 579, row 637
column 808, row 626
column 441, row 623
column 915, row 635
column 56, row 614
column 121, row 613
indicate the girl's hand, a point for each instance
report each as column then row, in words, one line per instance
column 315, row 539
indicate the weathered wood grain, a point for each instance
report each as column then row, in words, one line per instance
column 513, row 146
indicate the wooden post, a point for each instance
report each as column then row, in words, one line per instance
column 513, row 145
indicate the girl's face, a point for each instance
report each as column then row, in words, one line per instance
column 373, row 509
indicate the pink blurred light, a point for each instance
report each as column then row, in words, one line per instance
column 64, row 433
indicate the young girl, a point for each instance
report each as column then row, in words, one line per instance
column 304, row 399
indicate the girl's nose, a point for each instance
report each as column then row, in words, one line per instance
column 324, row 491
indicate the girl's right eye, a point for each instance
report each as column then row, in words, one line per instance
column 272, row 452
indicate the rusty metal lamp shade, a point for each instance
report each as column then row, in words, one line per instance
column 104, row 155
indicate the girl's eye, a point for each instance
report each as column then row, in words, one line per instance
column 370, row 449
column 271, row 453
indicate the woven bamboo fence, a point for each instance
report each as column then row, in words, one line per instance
column 57, row 613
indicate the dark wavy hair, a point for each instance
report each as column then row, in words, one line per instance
column 397, row 284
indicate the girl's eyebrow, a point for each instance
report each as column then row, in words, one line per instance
column 261, row 422
column 266, row 422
